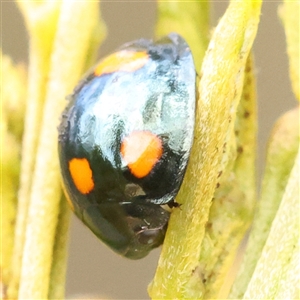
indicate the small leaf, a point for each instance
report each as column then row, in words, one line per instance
column 13, row 92
column 275, row 273
column 282, row 150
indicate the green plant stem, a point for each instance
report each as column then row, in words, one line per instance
column 275, row 273
column 282, row 149
column 76, row 23
column 41, row 19
column 245, row 131
column 220, row 89
column 232, row 207
column 59, row 260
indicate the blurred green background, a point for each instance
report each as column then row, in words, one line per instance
column 94, row 271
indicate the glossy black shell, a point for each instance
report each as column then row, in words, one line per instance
column 122, row 210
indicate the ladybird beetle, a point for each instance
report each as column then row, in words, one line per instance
column 125, row 139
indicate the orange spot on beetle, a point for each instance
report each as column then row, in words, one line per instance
column 141, row 150
column 82, row 174
column 123, row 60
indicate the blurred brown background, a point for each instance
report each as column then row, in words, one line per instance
column 93, row 269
